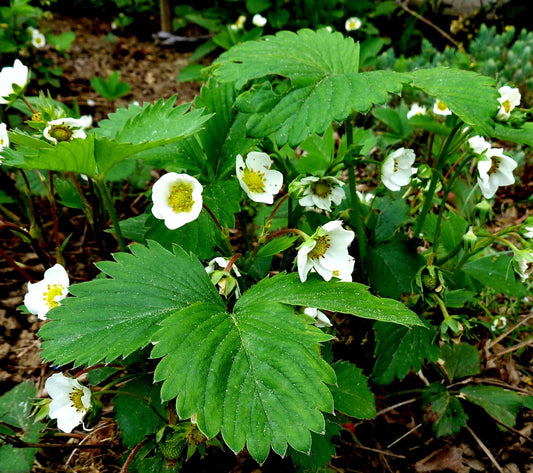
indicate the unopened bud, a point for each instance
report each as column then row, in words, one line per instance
column 469, row 240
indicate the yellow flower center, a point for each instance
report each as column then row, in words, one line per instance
column 37, row 117
column 254, row 180
column 53, row 290
column 75, row 396
column 61, row 132
column 321, row 188
column 506, row 106
column 180, row 197
column 395, row 168
column 321, row 246
column 441, row 106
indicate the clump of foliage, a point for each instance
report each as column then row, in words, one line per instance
column 279, row 169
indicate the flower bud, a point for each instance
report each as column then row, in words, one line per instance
column 483, row 211
column 469, row 240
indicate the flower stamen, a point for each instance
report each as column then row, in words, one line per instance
column 321, row 246
column 61, row 132
column 321, row 188
column 180, row 197
column 254, row 180
column 75, row 396
column 49, row 296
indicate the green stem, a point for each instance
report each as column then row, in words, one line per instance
column 108, row 204
column 356, row 204
column 441, row 160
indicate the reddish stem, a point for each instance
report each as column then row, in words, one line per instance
column 124, row 468
column 231, row 262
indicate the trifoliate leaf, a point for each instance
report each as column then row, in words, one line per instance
column 499, row 403
column 324, row 83
column 345, row 297
column 351, row 393
column 470, row 96
column 460, row 360
column 115, row 316
column 399, row 349
column 443, row 410
column 255, row 375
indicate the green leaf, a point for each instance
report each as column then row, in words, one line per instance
column 115, row 316
column 522, row 135
column 392, row 267
column 111, row 88
column 400, row 349
column 470, row 96
column 393, row 213
column 325, row 84
column 322, row 448
column 224, row 136
column 345, row 297
column 499, row 403
column 496, row 272
column 135, row 418
column 277, row 245
column 443, row 410
column 351, row 394
column 460, row 360
column 225, row 368
column 15, row 405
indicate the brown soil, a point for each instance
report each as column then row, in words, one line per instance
column 375, row 446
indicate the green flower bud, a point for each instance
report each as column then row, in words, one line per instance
column 483, row 211
column 469, row 239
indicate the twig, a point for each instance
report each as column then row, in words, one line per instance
column 383, row 452
column 404, row 6
column 485, row 449
column 83, row 440
column 409, row 432
column 387, row 409
column 488, row 346
column 525, row 343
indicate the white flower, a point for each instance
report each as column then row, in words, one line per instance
column 4, row 138
column 177, row 199
column 70, row 401
column 67, row 129
column 509, row 99
column 416, row 110
column 528, row 231
column 13, row 81
column 37, row 38
column 46, row 294
column 321, row 319
column 225, row 282
column 321, row 192
column 239, row 24
column 495, row 169
column 259, row 20
column 329, row 29
column 396, row 170
column 326, row 252
column 478, row 144
column 352, row 24
column 523, row 263
column 440, row 108
column 499, row 323
column 257, row 179
column 365, row 198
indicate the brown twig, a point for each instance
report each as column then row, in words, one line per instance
column 404, row 6
column 485, row 449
